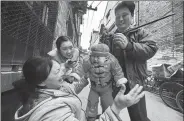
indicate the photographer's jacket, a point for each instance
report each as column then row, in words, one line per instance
column 140, row 48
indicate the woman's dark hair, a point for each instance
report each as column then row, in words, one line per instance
column 60, row 40
column 129, row 4
column 36, row 69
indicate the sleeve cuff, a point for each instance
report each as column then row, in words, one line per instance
column 117, row 116
column 129, row 46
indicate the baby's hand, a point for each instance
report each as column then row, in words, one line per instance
column 70, row 64
column 72, row 77
column 121, row 82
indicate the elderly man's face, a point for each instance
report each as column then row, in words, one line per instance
column 123, row 18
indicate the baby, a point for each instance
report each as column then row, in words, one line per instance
column 102, row 68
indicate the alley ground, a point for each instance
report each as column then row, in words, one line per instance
column 157, row 110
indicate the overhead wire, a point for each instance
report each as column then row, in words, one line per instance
column 92, row 3
column 98, row 4
column 93, row 12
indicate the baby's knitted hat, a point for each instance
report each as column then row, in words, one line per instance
column 101, row 50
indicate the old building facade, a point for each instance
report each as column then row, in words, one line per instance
column 30, row 28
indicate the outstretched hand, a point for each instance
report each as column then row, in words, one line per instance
column 122, row 101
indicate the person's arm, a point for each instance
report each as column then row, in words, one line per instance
column 82, row 70
column 109, row 115
column 142, row 50
column 116, row 69
column 122, row 101
column 63, row 112
column 77, row 78
column 55, row 112
column 79, row 86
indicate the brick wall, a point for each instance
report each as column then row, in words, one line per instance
column 178, row 22
column 168, row 31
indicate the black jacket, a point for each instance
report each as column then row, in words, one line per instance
column 133, row 59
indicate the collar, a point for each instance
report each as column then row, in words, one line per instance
column 61, row 57
column 55, row 93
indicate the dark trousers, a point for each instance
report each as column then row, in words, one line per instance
column 137, row 112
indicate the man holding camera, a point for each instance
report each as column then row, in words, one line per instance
column 132, row 49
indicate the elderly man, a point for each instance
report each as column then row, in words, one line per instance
column 132, row 49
